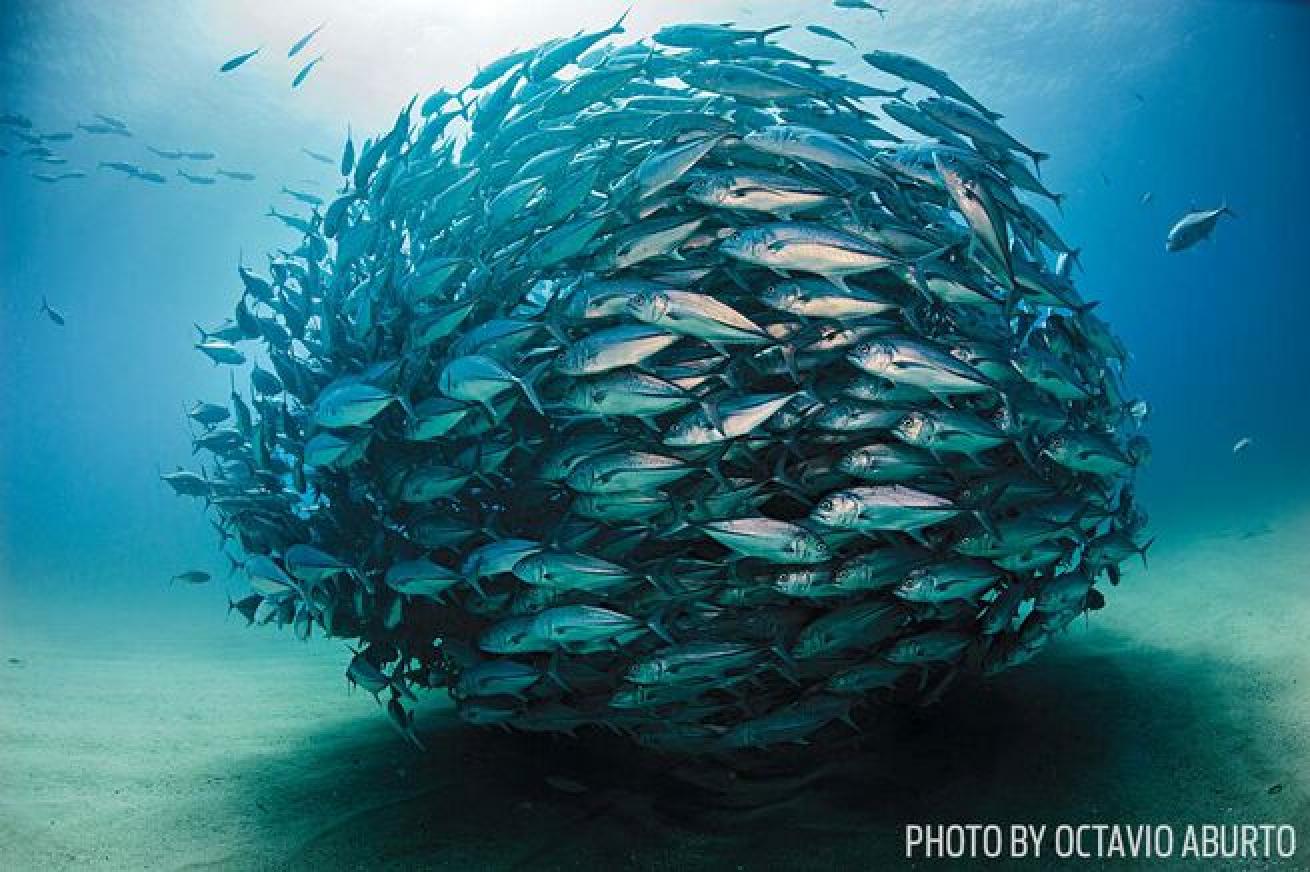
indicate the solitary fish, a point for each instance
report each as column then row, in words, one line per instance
column 237, row 61
column 51, row 313
column 860, row 4
column 304, row 40
column 305, row 71
column 1194, row 227
column 828, row 33
column 1242, row 444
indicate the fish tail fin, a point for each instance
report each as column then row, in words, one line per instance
column 784, row 479
column 982, row 510
column 552, row 672
column 677, row 523
column 1141, row 552
column 1058, row 200
column 663, row 579
column 786, row 663
column 657, row 625
column 1074, row 258
column 899, row 93
column 715, row 461
column 407, row 406
column 555, row 326
column 770, row 31
column 711, row 410
column 617, row 27
column 529, row 384
column 1225, row 209
column 201, row 331
column 491, row 526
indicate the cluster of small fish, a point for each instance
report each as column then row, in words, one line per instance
column 301, row 74
column 36, row 145
column 21, row 128
column 658, row 387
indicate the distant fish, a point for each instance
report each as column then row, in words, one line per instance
column 165, row 153
column 148, row 176
column 196, row 180
column 321, row 158
column 52, row 159
column 112, row 121
column 45, row 177
column 304, row 40
column 859, row 4
column 237, row 61
column 305, row 70
column 1147, row 197
column 104, row 129
column 828, row 33
column 130, row 169
column 306, row 198
column 292, row 221
column 1137, row 96
column 1242, row 444
column 71, row 174
column 36, row 151
column 348, row 154
column 199, row 155
column 1195, row 226
column 51, row 313
column 234, row 174
column 57, row 137
column 13, row 119
column 191, row 576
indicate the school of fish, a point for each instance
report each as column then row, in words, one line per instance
column 660, row 387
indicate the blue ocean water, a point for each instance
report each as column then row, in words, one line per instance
column 1192, row 103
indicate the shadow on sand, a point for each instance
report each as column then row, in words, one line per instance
column 1108, row 731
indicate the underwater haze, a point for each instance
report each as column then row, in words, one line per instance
column 140, row 728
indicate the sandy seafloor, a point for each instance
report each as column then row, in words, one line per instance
column 134, row 741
